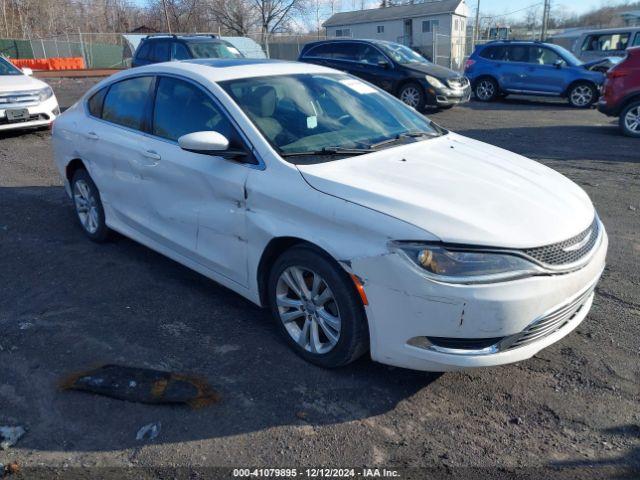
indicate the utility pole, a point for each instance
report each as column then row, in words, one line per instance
column 476, row 29
column 545, row 20
column 166, row 15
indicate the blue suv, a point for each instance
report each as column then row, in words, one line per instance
column 531, row 68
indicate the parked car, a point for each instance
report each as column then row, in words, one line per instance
column 531, row 68
column 394, row 68
column 24, row 101
column 612, row 42
column 360, row 223
column 621, row 93
column 163, row 48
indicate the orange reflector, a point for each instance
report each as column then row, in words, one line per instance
column 360, row 288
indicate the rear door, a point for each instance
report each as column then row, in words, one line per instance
column 194, row 203
column 517, row 68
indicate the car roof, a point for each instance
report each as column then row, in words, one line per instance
column 184, row 38
column 217, row 70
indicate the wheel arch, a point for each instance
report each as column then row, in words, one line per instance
column 407, row 81
column 276, row 247
column 486, row 76
column 631, row 98
column 72, row 167
column 580, row 81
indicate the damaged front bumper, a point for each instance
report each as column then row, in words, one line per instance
column 422, row 324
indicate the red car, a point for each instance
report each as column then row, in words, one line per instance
column 621, row 93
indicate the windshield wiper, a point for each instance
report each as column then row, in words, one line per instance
column 329, row 151
column 402, row 136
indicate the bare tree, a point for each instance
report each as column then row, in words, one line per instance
column 237, row 17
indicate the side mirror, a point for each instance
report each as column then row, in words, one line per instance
column 558, row 63
column 27, row 71
column 383, row 64
column 209, row 143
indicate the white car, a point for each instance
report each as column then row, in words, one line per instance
column 24, row 101
column 360, row 223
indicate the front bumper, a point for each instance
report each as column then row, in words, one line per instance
column 404, row 306
column 446, row 97
column 41, row 115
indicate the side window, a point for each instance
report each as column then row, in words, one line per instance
column 144, row 51
column 179, row 51
column 518, row 53
column 606, row 42
column 371, row 55
column 182, row 108
column 345, row 51
column 96, row 101
column 497, row 53
column 126, row 101
column 160, row 52
column 544, row 56
column 325, row 51
column 636, row 41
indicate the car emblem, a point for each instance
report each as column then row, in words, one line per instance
column 580, row 244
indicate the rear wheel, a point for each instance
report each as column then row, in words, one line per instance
column 88, row 205
column 316, row 307
column 630, row 120
column 486, row 90
column 582, row 95
column 413, row 95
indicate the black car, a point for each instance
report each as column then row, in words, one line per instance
column 163, row 48
column 393, row 67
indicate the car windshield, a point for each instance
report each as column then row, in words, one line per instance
column 315, row 114
column 401, row 54
column 569, row 57
column 6, row 68
column 214, row 50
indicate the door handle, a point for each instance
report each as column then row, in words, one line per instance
column 152, row 154
column 92, row 136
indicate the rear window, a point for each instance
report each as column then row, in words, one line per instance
column 144, row 51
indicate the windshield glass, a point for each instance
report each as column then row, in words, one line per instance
column 6, row 68
column 303, row 114
column 569, row 57
column 402, row 54
column 213, row 50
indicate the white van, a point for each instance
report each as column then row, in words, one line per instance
column 613, row 42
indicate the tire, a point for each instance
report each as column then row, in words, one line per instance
column 486, row 90
column 88, row 206
column 336, row 343
column 630, row 120
column 582, row 95
column 412, row 94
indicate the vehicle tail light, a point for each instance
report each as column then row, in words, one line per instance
column 470, row 63
column 617, row 73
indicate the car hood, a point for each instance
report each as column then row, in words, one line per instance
column 433, row 70
column 17, row 83
column 606, row 62
column 462, row 191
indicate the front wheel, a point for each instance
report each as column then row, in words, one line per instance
column 413, row 95
column 630, row 120
column 582, row 95
column 317, row 308
column 88, row 205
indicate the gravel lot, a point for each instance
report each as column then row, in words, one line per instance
column 67, row 304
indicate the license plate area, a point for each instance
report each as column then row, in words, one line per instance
column 17, row 114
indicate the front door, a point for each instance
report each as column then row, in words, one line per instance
column 546, row 72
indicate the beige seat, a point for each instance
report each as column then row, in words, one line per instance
column 262, row 104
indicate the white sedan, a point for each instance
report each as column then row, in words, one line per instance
column 24, row 101
column 360, row 223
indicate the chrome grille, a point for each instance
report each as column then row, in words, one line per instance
column 569, row 251
column 548, row 324
column 458, row 83
column 19, row 99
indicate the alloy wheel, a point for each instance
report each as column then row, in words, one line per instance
column 411, row 96
column 632, row 120
column 308, row 309
column 582, row 95
column 86, row 206
column 485, row 90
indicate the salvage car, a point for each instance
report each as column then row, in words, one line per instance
column 393, row 67
column 162, row 48
column 621, row 93
column 503, row 67
column 360, row 223
column 25, row 102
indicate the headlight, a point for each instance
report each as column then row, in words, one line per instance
column 450, row 265
column 45, row 93
column 434, row 82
